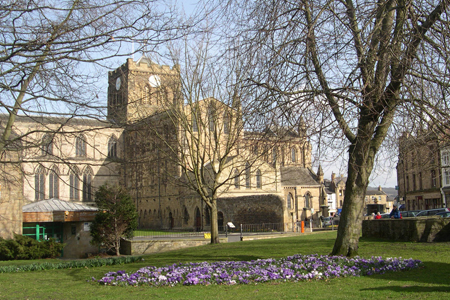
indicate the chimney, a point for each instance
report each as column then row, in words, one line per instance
column 333, row 176
column 379, row 188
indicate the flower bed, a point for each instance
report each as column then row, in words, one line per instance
column 293, row 268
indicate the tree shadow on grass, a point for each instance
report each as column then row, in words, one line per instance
column 433, row 273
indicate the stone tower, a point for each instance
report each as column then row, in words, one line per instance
column 139, row 89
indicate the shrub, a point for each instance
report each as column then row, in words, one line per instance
column 23, row 247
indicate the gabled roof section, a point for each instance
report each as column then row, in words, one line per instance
column 297, row 176
column 52, row 205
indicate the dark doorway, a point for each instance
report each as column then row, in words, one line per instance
column 220, row 220
column 171, row 221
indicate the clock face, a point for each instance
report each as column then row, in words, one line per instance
column 154, row 81
column 118, row 83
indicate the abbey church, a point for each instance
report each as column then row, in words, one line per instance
column 154, row 142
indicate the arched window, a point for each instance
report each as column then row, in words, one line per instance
column 226, row 123
column 145, row 95
column 87, row 184
column 74, row 182
column 237, row 179
column 308, row 200
column 53, row 183
column 112, row 147
column 293, row 155
column 258, row 179
column 289, row 201
column 247, row 176
column 39, row 184
column 80, row 146
column 211, row 119
column 47, row 145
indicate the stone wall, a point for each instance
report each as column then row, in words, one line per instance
column 128, row 247
column 410, row 229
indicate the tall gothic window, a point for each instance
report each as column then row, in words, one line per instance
column 112, row 147
column 293, row 155
column 258, row 179
column 87, row 184
column 308, row 200
column 247, row 176
column 39, row 184
column 47, row 145
column 211, row 119
column 53, row 183
column 74, row 182
column 289, row 201
column 145, row 95
column 80, row 146
column 226, row 123
column 237, row 179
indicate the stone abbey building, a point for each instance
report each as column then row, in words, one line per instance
column 152, row 141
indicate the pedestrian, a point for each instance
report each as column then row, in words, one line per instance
column 395, row 213
column 378, row 216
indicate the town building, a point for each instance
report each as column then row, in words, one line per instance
column 419, row 171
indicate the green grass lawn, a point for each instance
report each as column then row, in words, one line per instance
column 430, row 282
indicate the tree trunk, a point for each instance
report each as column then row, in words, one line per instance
column 214, row 222
column 360, row 166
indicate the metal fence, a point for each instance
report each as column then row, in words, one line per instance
column 242, row 229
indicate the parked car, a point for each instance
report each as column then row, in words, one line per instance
column 409, row 213
column 329, row 221
column 445, row 214
column 431, row 212
column 385, row 216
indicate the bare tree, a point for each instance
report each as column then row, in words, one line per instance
column 364, row 67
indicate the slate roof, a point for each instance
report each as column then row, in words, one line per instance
column 374, row 192
column 52, row 205
column 295, row 176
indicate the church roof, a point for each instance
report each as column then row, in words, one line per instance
column 297, row 176
column 52, row 205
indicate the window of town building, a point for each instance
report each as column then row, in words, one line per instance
column 87, row 185
column 74, row 183
column 433, row 178
column 237, row 179
column 293, row 155
column 420, row 181
column 80, row 146
column 247, row 176
column 53, row 183
column 39, row 184
column 112, row 147
column 407, row 183
column 447, row 176
column 445, row 158
column 47, row 145
column 274, row 155
column 258, row 179
column 414, row 182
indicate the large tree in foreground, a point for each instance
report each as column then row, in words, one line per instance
column 360, row 65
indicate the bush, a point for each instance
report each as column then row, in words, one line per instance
column 23, row 247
